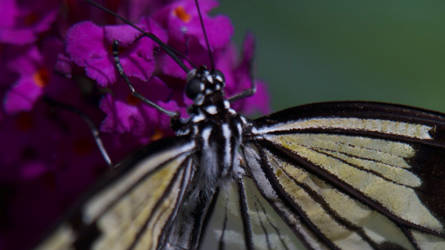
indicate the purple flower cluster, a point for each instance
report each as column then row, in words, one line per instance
column 62, row 50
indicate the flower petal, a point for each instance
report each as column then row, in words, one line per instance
column 86, row 47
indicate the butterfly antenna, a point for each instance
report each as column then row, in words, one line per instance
column 201, row 20
column 170, row 51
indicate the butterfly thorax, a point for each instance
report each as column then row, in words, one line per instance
column 216, row 127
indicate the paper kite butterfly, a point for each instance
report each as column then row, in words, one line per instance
column 336, row 175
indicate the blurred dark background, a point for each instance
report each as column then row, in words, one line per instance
column 313, row 51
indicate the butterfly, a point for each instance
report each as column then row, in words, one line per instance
column 317, row 176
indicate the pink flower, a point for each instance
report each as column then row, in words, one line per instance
column 33, row 78
column 22, row 23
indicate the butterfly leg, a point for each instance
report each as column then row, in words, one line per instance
column 88, row 121
column 133, row 91
column 247, row 92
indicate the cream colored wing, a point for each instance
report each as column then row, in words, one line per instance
column 243, row 219
column 354, row 175
column 131, row 209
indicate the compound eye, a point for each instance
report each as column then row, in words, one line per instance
column 218, row 76
column 193, row 88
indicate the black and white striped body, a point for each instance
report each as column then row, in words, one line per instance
column 217, row 130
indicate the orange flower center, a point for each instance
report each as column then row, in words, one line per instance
column 157, row 135
column 41, row 77
column 182, row 14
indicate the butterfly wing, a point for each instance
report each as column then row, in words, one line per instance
column 353, row 175
column 132, row 207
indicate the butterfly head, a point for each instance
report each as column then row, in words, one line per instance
column 202, row 82
column 206, row 88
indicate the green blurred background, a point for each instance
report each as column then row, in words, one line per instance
column 313, row 51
